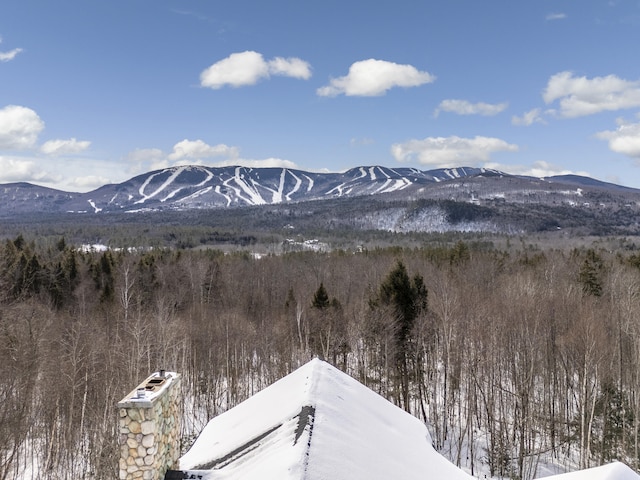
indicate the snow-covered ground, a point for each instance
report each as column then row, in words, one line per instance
column 319, row 423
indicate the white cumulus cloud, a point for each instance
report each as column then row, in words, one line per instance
column 372, row 77
column 19, row 127
column 199, row 150
column 249, row 67
column 528, row 118
column 580, row 96
column 539, row 169
column 64, row 147
column 14, row 169
column 290, row 67
column 463, row 107
column 141, row 159
column 625, row 139
column 87, row 183
column 450, row 151
column 257, row 163
column 141, row 155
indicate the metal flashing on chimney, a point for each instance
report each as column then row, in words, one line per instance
column 144, row 394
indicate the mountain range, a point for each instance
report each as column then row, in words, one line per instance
column 198, row 187
column 366, row 197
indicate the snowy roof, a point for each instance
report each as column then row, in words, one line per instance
column 316, row 423
column 319, row 423
column 612, row 471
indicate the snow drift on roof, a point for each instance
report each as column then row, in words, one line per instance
column 612, row 471
column 317, row 423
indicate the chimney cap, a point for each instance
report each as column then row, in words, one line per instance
column 148, row 390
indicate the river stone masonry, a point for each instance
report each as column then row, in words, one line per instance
column 149, row 428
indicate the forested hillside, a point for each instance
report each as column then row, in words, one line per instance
column 506, row 354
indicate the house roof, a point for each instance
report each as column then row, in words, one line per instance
column 611, row 471
column 316, row 423
column 319, row 423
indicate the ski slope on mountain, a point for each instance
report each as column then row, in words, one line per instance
column 196, row 186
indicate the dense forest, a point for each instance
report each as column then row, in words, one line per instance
column 508, row 354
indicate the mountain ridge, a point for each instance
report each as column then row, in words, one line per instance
column 202, row 187
column 365, row 198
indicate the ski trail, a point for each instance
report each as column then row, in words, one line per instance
column 238, row 191
column 167, row 182
column 171, row 194
column 93, row 204
column 196, row 194
column 227, row 197
column 254, row 196
column 277, row 194
column 343, row 186
column 296, row 187
column 209, row 177
column 310, row 185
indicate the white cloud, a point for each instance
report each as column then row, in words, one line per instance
column 249, row 67
column 539, row 169
column 373, row 78
column 142, row 155
column 263, row 163
column 528, row 118
column 450, row 151
column 19, row 127
column 10, row 55
column 87, row 183
column 556, row 16
column 237, row 70
column 625, row 139
column 67, row 174
column 198, row 150
column 580, row 96
column 290, row 67
column 14, row 169
column 463, row 107
column 64, row 147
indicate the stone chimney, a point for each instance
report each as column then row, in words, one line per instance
column 149, row 425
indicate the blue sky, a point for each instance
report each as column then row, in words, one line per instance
column 94, row 92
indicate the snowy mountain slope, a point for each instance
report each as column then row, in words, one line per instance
column 208, row 187
column 16, row 197
column 189, row 187
column 365, row 198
